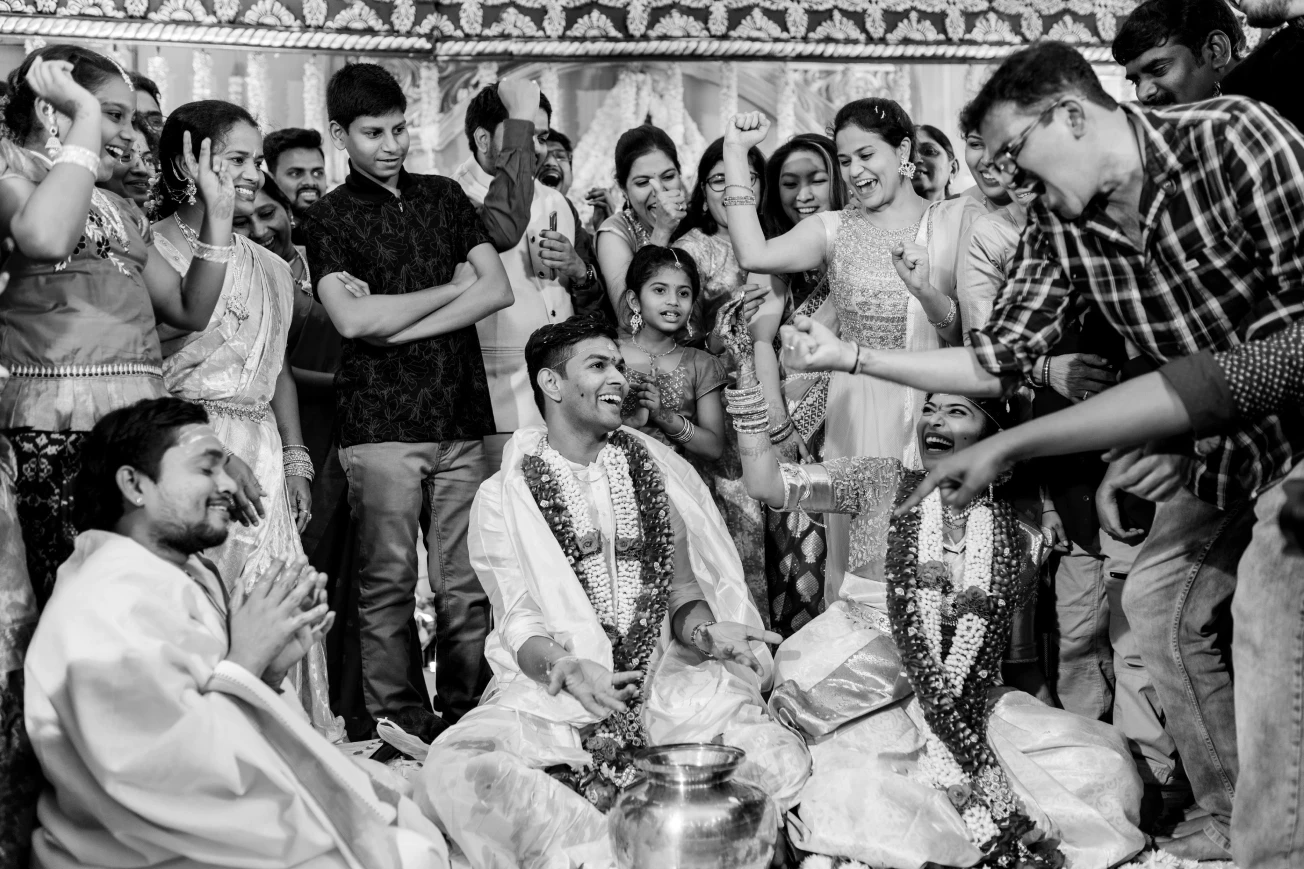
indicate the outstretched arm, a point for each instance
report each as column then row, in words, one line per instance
column 811, row 346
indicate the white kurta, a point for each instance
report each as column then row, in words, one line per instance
column 539, row 300
column 483, row 781
column 160, row 753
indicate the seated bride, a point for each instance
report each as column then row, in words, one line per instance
column 621, row 620
column 920, row 755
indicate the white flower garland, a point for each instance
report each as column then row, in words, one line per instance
column 613, row 602
column 938, row 767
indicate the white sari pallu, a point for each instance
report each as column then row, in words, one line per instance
column 484, row 781
column 231, row 368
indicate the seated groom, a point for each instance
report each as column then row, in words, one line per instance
column 621, row 620
column 155, row 704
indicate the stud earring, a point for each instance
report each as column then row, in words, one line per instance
column 636, row 322
column 906, row 169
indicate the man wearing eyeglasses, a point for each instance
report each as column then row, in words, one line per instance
column 1185, row 227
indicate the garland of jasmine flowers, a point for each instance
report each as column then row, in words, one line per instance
column 632, row 617
column 952, row 683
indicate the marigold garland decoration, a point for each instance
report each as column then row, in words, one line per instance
column 632, row 617
column 951, row 638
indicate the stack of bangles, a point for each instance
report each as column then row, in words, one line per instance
column 685, row 434
column 76, row 155
column 748, row 199
column 297, row 461
column 749, row 410
column 783, row 432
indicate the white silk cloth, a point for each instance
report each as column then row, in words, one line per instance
column 159, row 753
column 483, row 781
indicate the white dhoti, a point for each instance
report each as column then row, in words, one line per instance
column 484, row 781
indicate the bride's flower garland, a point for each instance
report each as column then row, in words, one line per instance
column 633, row 615
column 952, row 683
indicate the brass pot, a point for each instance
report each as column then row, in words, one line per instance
column 689, row 813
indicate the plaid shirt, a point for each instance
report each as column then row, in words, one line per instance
column 1221, row 261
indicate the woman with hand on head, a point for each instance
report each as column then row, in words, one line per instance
column 802, row 180
column 647, row 171
column 935, row 164
column 891, row 258
column 235, row 365
column 77, row 324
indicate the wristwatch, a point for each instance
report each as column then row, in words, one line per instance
column 590, row 278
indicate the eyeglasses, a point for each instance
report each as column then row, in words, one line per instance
column 1006, row 160
column 561, row 155
column 717, row 185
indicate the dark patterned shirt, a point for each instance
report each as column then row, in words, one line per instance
column 1221, row 261
column 1257, row 378
column 425, row 391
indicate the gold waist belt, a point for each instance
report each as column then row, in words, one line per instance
column 115, row 369
column 251, row 412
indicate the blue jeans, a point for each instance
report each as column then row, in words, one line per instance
column 392, row 487
column 1177, row 600
column 1267, row 828
column 1100, row 669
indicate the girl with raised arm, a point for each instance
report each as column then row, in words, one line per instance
column 235, row 365
column 87, row 287
column 891, row 258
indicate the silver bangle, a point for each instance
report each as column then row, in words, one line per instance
column 76, row 155
column 685, row 434
column 949, row 318
column 212, row 253
column 692, row 638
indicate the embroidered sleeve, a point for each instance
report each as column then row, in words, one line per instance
column 855, row 485
column 1253, row 380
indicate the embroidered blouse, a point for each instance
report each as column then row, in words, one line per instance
column 78, row 335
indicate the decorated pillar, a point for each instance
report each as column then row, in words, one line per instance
column 314, row 95
column 728, row 92
column 201, row 75
column 256, row 89
column 550, row 84
column 156, row 68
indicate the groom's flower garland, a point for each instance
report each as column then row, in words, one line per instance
column 952, row 683
column 632, row 617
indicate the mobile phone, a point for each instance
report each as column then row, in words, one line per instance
column 552, row 227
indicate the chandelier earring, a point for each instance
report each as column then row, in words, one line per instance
column 52, row 145
column 190, row 191
column 690, row 330
column 906, row 169
column 636, row 322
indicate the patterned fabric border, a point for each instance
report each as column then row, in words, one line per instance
column 650, row 29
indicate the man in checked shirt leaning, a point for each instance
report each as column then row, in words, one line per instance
column 1184, row 226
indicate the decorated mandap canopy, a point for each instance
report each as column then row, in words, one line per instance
column 810, row 30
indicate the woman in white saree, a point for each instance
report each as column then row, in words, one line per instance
column 921, row 754
column 236, row 369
